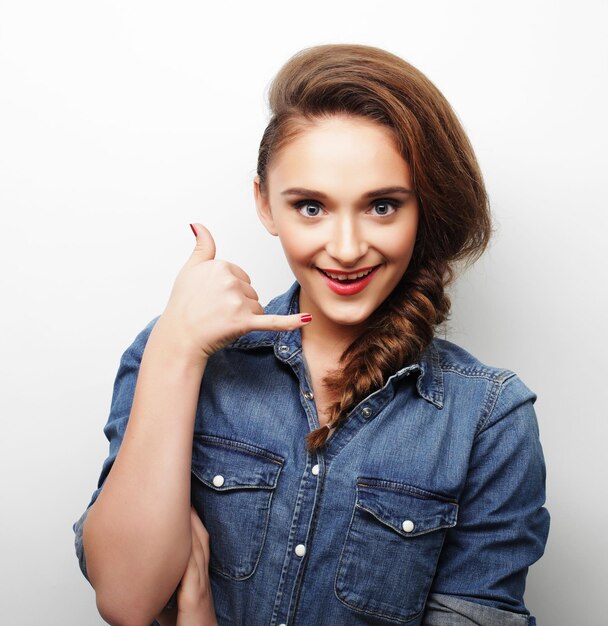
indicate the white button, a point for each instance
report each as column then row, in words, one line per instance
column 218, row 480
column 367, row 412
column 408, row 526
column 309, row 395
column 315, row 470
column 283, row 348
column 282, row 624
column 300, row 549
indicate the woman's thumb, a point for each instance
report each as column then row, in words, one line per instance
column 205, row 245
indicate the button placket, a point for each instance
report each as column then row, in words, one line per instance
column 301, row 521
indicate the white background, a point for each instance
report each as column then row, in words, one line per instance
column 121, row 122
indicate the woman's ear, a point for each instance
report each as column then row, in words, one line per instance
column 263, row 207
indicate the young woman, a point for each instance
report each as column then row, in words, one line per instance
column 326, row 460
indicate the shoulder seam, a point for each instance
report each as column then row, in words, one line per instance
column 491, row 399
column 494, row 374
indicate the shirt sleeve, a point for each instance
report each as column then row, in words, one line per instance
column 114, row 430
column 502, row 525
column 444, row 610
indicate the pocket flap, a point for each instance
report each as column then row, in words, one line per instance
column 224, row 464
column 408, row 510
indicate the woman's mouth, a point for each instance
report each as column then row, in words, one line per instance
column 348, row 283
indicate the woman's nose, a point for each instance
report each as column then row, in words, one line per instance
column 346, row 244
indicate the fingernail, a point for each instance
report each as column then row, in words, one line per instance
column 305, row 318
column 194, row 230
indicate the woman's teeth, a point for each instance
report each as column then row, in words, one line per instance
column 344, row 277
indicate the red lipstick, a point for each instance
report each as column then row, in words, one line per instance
column 351, row 287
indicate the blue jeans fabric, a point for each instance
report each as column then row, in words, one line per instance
column 424, row 508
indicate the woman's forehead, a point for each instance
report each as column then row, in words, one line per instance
column 338, row 152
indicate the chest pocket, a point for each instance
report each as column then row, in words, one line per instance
column 391, row 548
column 232, row 488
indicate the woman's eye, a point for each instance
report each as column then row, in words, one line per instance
column 309, row 209
column 384, row 207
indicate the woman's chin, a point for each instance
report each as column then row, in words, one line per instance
column 347, row 315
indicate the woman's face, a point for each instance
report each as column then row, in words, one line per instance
column 347, row 237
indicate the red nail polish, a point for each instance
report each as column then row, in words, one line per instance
column 306, row 317
column 193, row 230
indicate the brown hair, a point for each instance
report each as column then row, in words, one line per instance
column 454, row 223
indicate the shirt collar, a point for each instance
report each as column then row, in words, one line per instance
column 287, row 344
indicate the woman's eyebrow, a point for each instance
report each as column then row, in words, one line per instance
column 301, row 191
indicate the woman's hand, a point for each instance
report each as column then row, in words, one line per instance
column 194, row 598
column 212, row 302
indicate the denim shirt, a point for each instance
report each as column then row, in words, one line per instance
column 425, row 507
